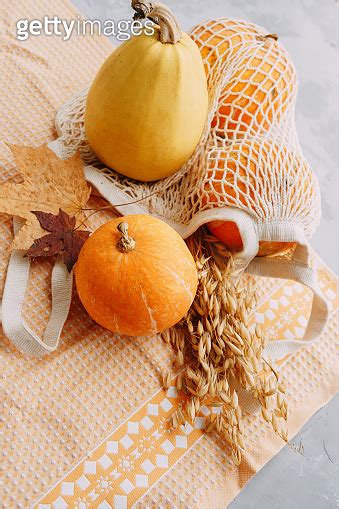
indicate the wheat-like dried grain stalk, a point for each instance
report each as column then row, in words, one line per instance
column 217, row 351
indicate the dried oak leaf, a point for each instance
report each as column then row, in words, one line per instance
column 63, row 237
column 49, row 184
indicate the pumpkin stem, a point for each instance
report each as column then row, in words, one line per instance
column 266, row 37
column 126, row 243
column 170, row 31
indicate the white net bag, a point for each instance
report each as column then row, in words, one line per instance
column 248, row 167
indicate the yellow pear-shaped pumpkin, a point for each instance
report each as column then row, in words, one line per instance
column 147, row 106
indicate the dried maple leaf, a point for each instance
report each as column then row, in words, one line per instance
column 49, row 184
column 63, row 237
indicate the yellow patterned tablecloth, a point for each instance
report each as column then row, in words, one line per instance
column 86, row 426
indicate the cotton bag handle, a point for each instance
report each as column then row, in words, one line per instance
column 15, row 328
column 11, row 306
column 301, row 273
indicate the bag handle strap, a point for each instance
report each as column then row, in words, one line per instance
column 302, row 273
column 15, row 328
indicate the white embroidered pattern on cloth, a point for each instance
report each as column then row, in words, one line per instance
column 135, row 457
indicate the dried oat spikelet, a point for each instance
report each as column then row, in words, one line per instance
column 216, row 344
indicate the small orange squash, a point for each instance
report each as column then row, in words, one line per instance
column 238, row 175
column 263, row 85
column 228, row 233
column 220, row 39
column 136, row 276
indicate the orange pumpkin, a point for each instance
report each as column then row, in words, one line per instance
column 136, row 276
column 237, row 175
column 219, row 39
column 264, row 84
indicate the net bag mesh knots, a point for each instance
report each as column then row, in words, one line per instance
column 248, row 167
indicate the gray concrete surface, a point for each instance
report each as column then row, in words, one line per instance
column 308, row 479
column 304, row 476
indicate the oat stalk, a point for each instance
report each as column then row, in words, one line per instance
column 218, row 351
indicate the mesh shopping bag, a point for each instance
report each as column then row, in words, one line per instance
column 248, row 167
column 249, row 162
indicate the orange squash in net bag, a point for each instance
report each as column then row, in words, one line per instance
column 219, row 39
column 136, row 276
column 257, row 95
column 259, row 91
column 248, row 175
column 228, row 233
column 259, row 85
